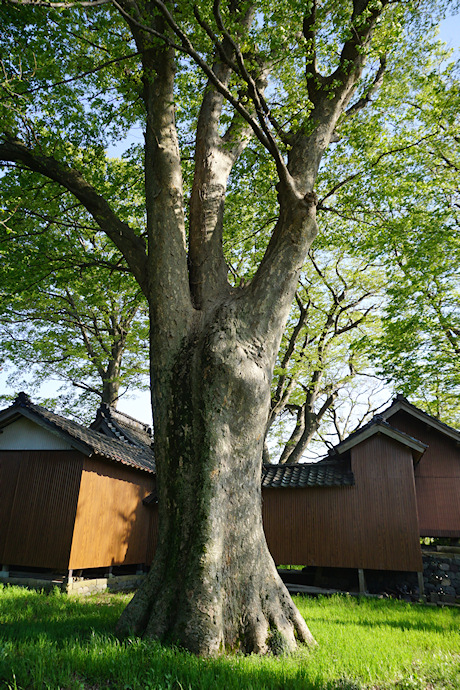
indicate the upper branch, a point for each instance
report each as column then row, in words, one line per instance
column 262, row 109
column 168, row 282
column 309, row 32
column 330, row 95
column 258, row 125
column 367, row 97
column 215, row 156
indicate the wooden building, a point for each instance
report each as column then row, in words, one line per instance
column 356, row 509
column 71, row 498
column 77, row 498
column 437, row 475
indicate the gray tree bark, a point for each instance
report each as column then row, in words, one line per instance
column 213, row 585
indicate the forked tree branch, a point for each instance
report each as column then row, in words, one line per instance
column 185, row 46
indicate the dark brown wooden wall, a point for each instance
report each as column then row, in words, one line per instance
column 437, row 478
column 372, row 525
column 38, row 502
column 112, row 525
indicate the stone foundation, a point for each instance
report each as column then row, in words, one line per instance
column 116, row 583
column 441, row 576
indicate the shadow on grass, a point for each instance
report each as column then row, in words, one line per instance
column 26, row 614
column 56, row 642
column 402, row 624
column 51, row 641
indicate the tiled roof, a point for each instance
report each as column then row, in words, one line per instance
column 116, row 424
column 379, row 425
column 307, row 475
column 87, row 440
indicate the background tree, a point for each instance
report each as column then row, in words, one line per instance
column 213, row 345
column 409, row 224
column 69, row 308
column 337, row 304
column 420, row 347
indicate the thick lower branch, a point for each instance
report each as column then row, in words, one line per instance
column 124, row 238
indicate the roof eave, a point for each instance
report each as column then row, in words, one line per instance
column 416, row 446
column 421, row 416
column 12, row 414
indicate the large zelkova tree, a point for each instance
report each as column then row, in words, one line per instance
column 69, row 308
column 220, row 74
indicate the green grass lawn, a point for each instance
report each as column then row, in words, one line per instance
column 53, row 641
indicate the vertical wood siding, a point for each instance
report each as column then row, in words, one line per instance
column 372, row 525
column 112, row 524
column 9, row 470
column 437, row 478
column 38, row 501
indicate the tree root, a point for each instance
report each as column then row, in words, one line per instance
column 262, row 621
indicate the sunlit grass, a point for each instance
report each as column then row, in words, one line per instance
column 53, row 641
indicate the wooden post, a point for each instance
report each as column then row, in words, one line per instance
column 421, row 584
column 70, row 577
column 5, row 571
column 362, row 581
column 109, row 572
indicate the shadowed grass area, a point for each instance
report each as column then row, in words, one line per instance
column 54, row 641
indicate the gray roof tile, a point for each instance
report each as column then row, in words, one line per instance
column 116, row 424
column 307, row 475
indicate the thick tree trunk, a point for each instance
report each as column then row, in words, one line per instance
column 213, row 584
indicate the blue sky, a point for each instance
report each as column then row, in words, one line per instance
column 450, row 32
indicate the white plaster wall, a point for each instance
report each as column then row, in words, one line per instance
column 27, row 435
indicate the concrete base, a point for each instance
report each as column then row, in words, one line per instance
column 113, row 583
column 81, row 587
column 362, row 581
